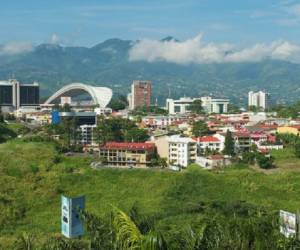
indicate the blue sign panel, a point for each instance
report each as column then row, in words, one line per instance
column 71, row 224
column 55, row 117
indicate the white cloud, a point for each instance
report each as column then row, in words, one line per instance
column 55, row 39
column 196, row 51
column 14, row 48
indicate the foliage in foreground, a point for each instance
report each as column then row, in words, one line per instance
column 226, row 226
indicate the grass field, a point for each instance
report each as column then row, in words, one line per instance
column 33, row 176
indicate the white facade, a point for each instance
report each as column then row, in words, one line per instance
column 129, row 99
column 209, row 104
column 161, row 121
column 211, row 143
column 182, row 151
column 257, row 99
column 103, row 111
column 180, row 106
column 101, row 96
column 212, row 105
column 87, row 136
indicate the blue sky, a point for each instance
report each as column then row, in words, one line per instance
column 87, row 22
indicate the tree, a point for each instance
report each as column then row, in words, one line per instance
column 233, row 109
column 162, row 162
column 254, row 109
column 144, row 110
column 229, row 144
column 118, row 103
column 200, row 128
column 136, row 135
column 264, row 161
column 196, row 107
column 249, row 157
column 129, row 236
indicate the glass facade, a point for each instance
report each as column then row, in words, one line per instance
column 29, row 95
column 6, row 96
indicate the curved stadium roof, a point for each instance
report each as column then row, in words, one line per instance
column 100, row 95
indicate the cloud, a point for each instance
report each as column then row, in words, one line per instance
column 14, row 48
column 196, row 51
column 55, row 39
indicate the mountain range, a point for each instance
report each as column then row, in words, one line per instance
column 108, row 64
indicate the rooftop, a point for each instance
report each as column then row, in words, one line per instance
column 206, row 139
column 129, row 145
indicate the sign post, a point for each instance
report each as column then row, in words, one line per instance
column 71, row 224
column 288, row 224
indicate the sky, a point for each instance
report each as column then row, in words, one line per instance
column 265, row 26
column 88, row 22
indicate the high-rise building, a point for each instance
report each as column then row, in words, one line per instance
column 14, row 95
column 140, row 94
column 258, row 99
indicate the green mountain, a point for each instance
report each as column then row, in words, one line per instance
column 107, row 64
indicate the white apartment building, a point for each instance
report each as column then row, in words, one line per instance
column 162, row 121
column 209, row 142
column 182, row 151
column 87, row 135
column 258, row 99
column 209, row 104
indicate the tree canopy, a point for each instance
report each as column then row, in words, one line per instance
column 200, row 128
column 229, row 144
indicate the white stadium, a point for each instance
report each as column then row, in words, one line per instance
column 100, row 96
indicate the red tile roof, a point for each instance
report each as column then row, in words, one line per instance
column 216, row 157
column 296, row 127
column 129, row 145
column 267, row 126
column 206, row 139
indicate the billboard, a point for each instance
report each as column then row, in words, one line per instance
column 71, row 224
column 288, row 223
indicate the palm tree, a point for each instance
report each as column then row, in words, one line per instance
column 25, row 242
column 129, row 236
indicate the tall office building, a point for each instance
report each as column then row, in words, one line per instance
column 258, row 99
column 14, row 94
column 140, row 94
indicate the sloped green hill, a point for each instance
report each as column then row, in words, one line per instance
column 33, row 176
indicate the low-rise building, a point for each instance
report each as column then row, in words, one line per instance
column 242, row 140
column 213, row 161
column 180, row 106
column 162, row 121
column 124, row 154
column 162, row 145
column 213, row 105
column 182, row 151
column 210, row 143
column 294, row 130
column 209, row 105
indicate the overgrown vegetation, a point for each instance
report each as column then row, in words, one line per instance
column 195, row 208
